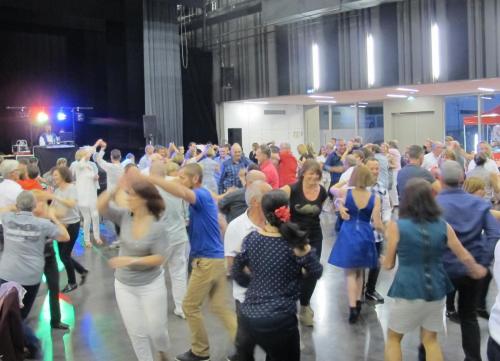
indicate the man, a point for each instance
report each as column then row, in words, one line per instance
column 192, row 151
column 431, row 159
column 23, row 256
column 9, row 188
column 129, row 159
column 31, row 182
column 221, row 158
column 233, row 204
column 114, row 170
column 230, row 169
column 251, row 220
column 208, row 277
column 267, row 167
column 383, row 177
column 490, row 164
column 414, row 170
column 469, row 216
column 287, row 169
column 333, row 163
column 47, row 137
column 175, row 229
column 145, row 161
column 385, row 203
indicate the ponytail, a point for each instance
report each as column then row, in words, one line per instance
column 295, row 237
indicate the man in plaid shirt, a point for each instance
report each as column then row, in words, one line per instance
column 374, row 166
column 230, row 169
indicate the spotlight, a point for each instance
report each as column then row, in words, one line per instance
column 61, row 116
column 42, row 117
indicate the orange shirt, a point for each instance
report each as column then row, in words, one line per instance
column 30, row 184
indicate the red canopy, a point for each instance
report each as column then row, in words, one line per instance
column 490, row 117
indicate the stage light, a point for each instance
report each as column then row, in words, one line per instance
column 42, row 117
column 61, row 116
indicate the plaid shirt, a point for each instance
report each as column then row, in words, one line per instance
column 229, row 174
column 385, row 207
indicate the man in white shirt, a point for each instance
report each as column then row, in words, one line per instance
column 240, row 227
column 47, row 137
column 490, row 164
column 114, row 170
column 9, row 188
column 431, row 160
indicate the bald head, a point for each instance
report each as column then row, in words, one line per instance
column 255, row 192
column 254, row 176
column 285, row 146
column 157, row 168
column 236, row 152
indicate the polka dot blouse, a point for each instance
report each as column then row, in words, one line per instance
column 275, row 272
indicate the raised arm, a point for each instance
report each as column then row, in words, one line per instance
column 174, row 188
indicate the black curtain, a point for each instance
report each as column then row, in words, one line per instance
column 197, row 98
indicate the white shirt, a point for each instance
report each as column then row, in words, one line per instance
column 490, row 166
column 51, row 139
column 494, row 322
column 430, row 161
column 236, row 231
column 9, row 190
column 114, row 171
column 346, row 176
column 86, row 184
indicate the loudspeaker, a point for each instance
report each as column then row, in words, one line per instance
column 234, row 135
column 227, row 77
column 149, row 124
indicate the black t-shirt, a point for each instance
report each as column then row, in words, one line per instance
column 305, row 212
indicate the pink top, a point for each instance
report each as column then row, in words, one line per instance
column 397, row 157
column 271, row 173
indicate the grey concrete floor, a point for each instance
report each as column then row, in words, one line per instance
column 98, row 333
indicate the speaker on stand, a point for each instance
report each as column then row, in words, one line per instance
column 149, row 126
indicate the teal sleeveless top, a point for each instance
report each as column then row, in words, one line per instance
column 421, row 274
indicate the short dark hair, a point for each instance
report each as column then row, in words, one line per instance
column 33, row 171
column 415, row 151
column 65, row 174
column 116, row 154
column 480, row 159
column 418, row 203
column 194, row 169
column 148, row 192
column 310, row 165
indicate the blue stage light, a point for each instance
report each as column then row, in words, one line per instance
column 61, row 116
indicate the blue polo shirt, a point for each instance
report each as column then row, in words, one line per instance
column 204, row 232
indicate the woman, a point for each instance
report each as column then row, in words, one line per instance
column 86, row 176
column 304, row 153
column 252, row 156
column 210, row 169
column 306, row 202
column 140, row 288
column 420, row 285
column 355, row 249
column 489, row 178
column 277, row 258
column 64, row 202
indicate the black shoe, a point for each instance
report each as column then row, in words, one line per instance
column 69, row 287
column 84, row 278
column 481, row 312
column 190, row 356
column 353, row 315
column 358, row 306
column 453, row 316
column 374, row 296
column 59, row 326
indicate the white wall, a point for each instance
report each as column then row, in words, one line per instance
column 261, row 128
column 415, row 121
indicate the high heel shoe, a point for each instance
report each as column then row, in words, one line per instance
column 353, row 315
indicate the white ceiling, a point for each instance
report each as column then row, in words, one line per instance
column 380, row 94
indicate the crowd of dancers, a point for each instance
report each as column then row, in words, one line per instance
column 209, row 211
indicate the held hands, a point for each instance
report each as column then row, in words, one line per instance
column 344, row 212
column 299, row 252
column 120, row 262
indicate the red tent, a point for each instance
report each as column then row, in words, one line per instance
column 490, row 117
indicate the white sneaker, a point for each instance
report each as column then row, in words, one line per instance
column 180, row 314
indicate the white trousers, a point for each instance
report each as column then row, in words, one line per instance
column 177, row 264
column 144, row 313
column 90, row 216
column 393, row 192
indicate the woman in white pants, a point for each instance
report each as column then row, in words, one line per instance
column 140, row 288
column 86, row 175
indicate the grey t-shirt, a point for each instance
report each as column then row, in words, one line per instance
column 233, row 204
column 23, row 256
column 174, row 218
column 71, row 214
column 155, row 242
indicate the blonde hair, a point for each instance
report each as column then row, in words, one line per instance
column 449, row 154
column 80, row 153
column 474, row 184
column 302, row 149
column 361, row 177
column 210, row 152
column 171, row 167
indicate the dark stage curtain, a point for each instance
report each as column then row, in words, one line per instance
column 162, row 69
column 199, row 113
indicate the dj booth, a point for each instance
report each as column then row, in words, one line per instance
column 48, row 155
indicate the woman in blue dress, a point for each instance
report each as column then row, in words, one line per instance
column 354, row 249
